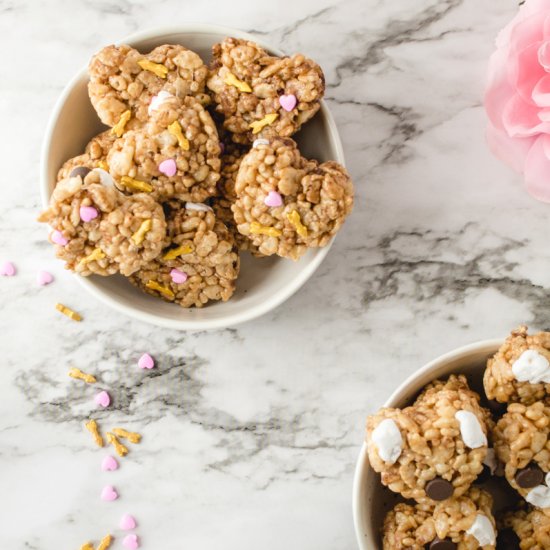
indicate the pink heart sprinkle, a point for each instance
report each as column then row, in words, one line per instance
column 146, row 362
column 58, row 238
column 103, row 399
column 88, row 213
column 168, row 167
column 178, row 277
column 131, row 542
column 127, row 522
column 288, row 102
column 44, row 278
column 7, row 269
column 273, row 199
column 109, row 493
column 109, row 464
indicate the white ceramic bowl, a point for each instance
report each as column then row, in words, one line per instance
column 263, row 283
column 371, row 501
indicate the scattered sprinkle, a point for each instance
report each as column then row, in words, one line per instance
column 131, row 542
column 136, row 185
column 168, row 167
column 109, row 493
column 44, row 278
column 58, row 238
column 93, row 428
column 118, row 128
column 139, row 236
column 94, row 256
column 179, row 251
column 273, row 199
column 178, row 277
column 120, row 449
column 288, row 101
column 102, row 399
column 294, row 218
column 103, row 165
column 165, row 291
column 127, row 522
column 105, row 542
column 87, row 546
column 68, row 312
column 132, row 437
column 257, row 125
column 88, row 213
column 77, row 374
column 146, row 361
column 176, row 131
column 7, row 269
column 258, row 229
column 109, row 464
column 231, row 80
column 155, row 68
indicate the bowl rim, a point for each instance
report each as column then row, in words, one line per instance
column 362, row 467
column 225, row 321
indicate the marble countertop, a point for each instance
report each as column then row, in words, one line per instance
column 245, row 448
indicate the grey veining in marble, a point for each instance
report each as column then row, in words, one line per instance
column 251, row 434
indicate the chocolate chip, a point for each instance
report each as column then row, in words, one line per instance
column 497, row 407
column 441, row 544
column 507, row 540
column 439, row 489
column 81, row 171
column 530, row 476
column 484, row 476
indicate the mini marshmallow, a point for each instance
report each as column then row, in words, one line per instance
column 539, row 496
column 259, row 141
column 388, row 440
column 491, row 461
column 531, row 367
column 470, row 430
column 199, row 207
column 483, row 531
column 104, row 177
column 157, row 101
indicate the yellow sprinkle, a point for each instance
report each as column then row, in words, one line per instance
column 93, row 428
column 87, row 546
column 294, row 218
column 139, row 235
column 257, row 125
column 153, row 285
column 77, row 374
column 155, row 68
column 258, row 229
column 132, row 437
column 136, row 185
column 96, row 254
column 103, row 165
column 105, row 542
column 118, row 128
column 176, row 131
column 231, row 80
column 68, row 312
column 120, row 449
column 179, row 251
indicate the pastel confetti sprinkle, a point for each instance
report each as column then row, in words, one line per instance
column 119, row 127
column 155, row 68
column 105, row 542
column 109, row 493
column 44, row 278
column 259, row 141
column 157, row 101
column 179, row 251
column 7, row 269
column 88, row 213
column 294, row 218
column 258, row 229
column 77, row 374
column 132, row 437
column 139, row 236
column 131, row 542
column 136, row 185
column 102, row 399
column 146, row 362
column 87, row 546
column 127, row 522
column 175, row 130
column 178, row 277
column 273, row 199
column 258, row 125
column 68, row 312
column 168, row 167
column 93, row 428
column 94, row 256
column 288, row 102
column 165, row 291
column 121, row 450
column 58, row 238
column 231, row 80
column 109, row 464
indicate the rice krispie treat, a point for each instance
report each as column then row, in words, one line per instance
column 175, row 155
column 460, row 523
column 261, row 95
column 286, row 203
column 520, row 370
column 123, row 81
column 434, row 449
column 98, row 230
column 200, row 262
column 525, row 530
column 522, row 445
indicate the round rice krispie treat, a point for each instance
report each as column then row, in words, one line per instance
column 123, row 81
column 434, row 449
column 262, row 95
column 520, row 370
column 175, row 155
column 98, row 230
column 286, row 203
column 461, row 523
column 200, row 262
column 527, row 529
column 522, row 445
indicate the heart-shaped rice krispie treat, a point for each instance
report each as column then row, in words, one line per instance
column 123, row 81
column 461, row 523
column 175, row 155
column 520, row 370
column 261, row 95
column 522, row 445
column 98, row 230
column 434, row 449
column 200, row 262
column 524, row 529
column 286, row 203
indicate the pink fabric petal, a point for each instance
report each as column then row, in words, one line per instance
column 527, row 71
column 499, row 90
column 546, row 147
column 543, row 55
column 521, row 119
column 527, row 32
column 541, row 92
column 546, row 27
column 530, row 8
column 537, row 170
column 511, row 151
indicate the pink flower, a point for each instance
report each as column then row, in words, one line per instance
column 517, row 98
